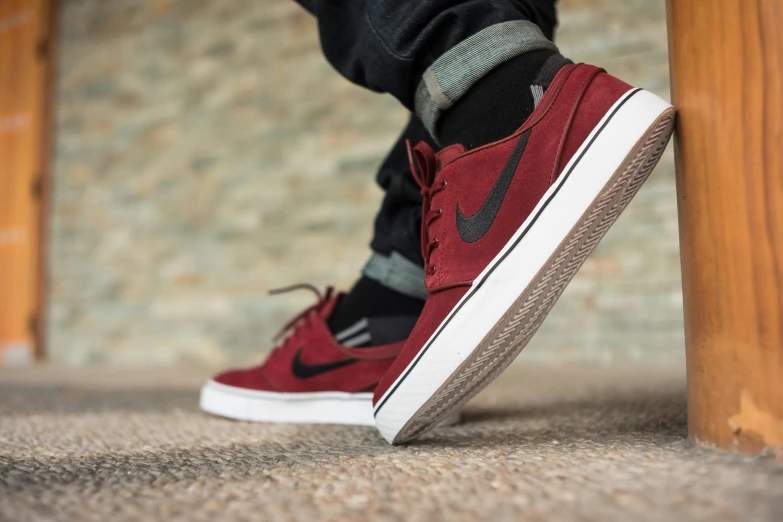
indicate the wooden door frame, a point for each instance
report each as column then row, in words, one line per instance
column 28, row 64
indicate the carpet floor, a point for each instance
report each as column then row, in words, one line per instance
column 541, row 443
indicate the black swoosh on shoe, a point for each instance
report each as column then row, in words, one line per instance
column 472, row 228
column 302, row 370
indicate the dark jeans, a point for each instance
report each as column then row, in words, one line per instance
column 386, row 45
column 404, row 47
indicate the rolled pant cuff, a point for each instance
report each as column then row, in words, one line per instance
column 459, row 68
column 396, row 272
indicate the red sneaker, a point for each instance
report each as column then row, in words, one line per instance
column 310, row 377
column 505, row 227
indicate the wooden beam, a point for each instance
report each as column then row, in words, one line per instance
column 25, row 75
column 727, row 83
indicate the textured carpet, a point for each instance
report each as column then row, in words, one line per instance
column 539, row 444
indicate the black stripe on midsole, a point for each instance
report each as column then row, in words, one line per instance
column 478, row 286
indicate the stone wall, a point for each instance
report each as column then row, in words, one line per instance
column 206, row 153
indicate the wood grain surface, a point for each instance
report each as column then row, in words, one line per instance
column 727, row 84
column 24, row 144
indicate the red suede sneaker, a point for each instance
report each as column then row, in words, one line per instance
column 311, row 377
column 505, row 227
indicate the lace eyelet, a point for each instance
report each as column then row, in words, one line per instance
column 440, row 211
column 431, row 270
column 443, row 184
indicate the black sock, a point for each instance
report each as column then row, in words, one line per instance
column 372, row 314
column 500, row 102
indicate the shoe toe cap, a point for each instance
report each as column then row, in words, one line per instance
column 249, row 378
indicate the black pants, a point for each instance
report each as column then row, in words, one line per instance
column 386, row 46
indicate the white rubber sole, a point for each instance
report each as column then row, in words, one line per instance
column 291, row 408
column 508, row 301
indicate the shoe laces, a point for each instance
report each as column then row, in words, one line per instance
column 423, row 166
column 304, row 319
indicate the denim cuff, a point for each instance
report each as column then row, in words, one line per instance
column 451, row 75
column 396, row 272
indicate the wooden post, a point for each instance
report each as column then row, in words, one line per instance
column 727, row 83
column 26, row 29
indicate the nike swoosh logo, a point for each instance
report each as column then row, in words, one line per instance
column 472, row 228
column 303, row 370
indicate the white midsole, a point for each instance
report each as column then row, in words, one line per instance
column 496, row 289
column 300, row 408
column 294, row 408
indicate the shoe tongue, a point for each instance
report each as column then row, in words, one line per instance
column 445, row 156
